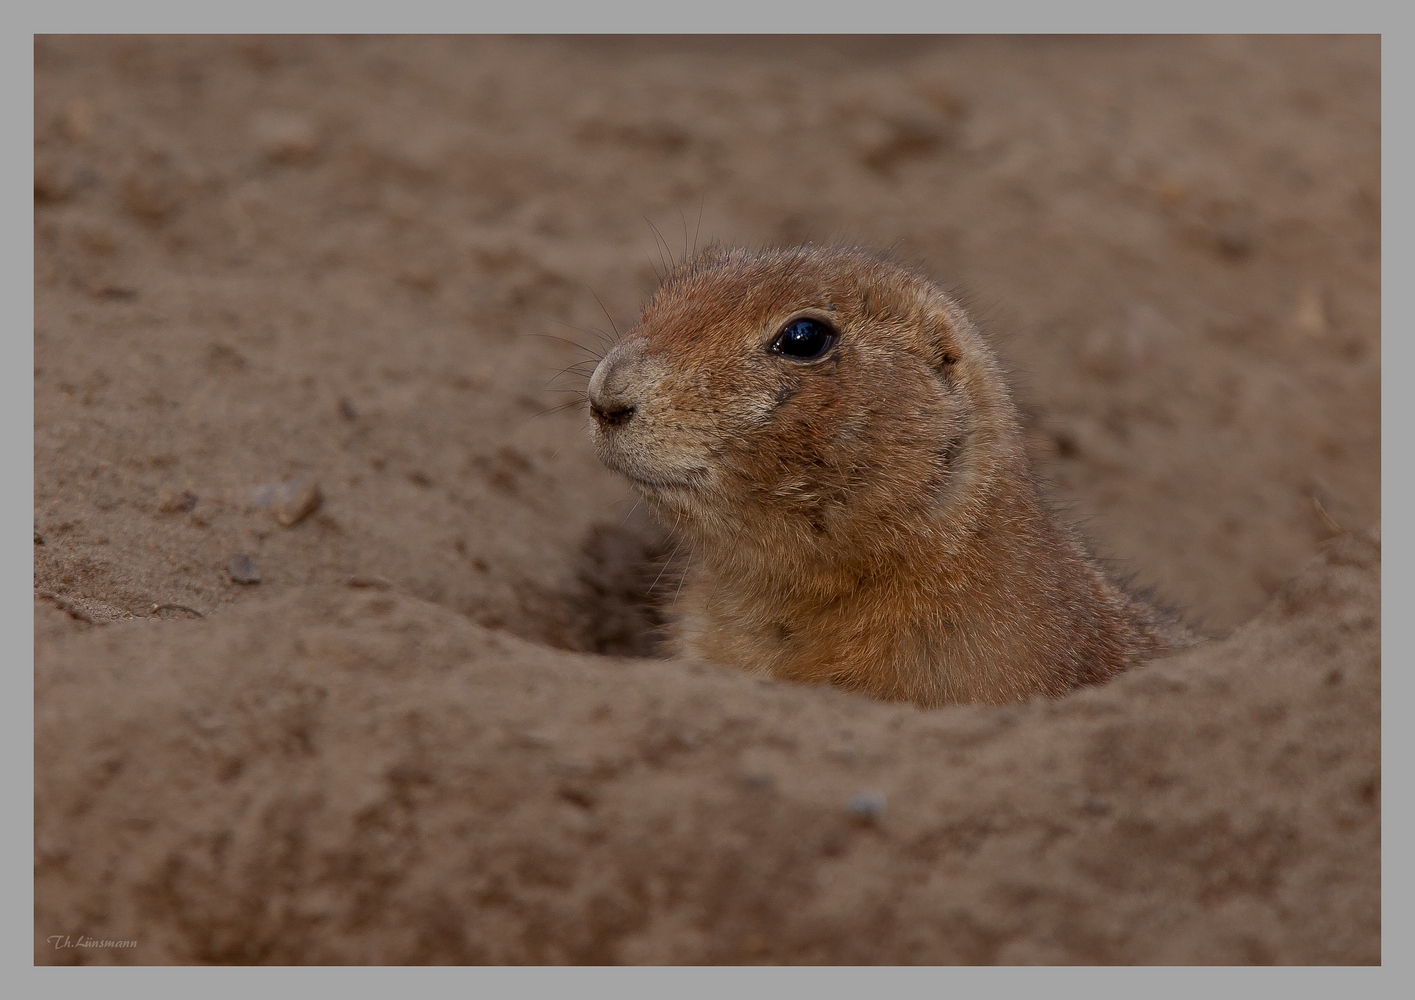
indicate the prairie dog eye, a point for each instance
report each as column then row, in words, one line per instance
column 804, row 339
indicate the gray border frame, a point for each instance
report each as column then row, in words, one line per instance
column 890, row 16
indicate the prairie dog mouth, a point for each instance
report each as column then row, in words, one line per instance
column 661, row 484
column 624, row 461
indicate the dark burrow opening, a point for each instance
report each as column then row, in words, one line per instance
column 617, row 596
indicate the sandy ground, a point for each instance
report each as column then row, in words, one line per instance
column 434, row 730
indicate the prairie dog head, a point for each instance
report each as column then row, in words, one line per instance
column 804, row 400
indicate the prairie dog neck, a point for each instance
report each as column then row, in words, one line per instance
column 837, row 445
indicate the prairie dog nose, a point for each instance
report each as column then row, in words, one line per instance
column 614, row 392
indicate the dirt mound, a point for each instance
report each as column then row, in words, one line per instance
column 346, row 776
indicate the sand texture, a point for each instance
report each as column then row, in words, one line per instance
column 345, row 643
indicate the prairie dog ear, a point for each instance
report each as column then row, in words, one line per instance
column 946, row 330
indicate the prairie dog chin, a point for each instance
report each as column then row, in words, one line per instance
column 836, row 444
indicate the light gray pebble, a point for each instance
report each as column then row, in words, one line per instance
column 867, row 806
column 243, row 569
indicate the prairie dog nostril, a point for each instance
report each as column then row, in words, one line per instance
column 615, row 388
column 611, row 413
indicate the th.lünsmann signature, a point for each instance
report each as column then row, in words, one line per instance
column 84, row 941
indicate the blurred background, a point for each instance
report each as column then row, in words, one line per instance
column 263, row 261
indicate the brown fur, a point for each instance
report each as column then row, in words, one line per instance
column 868, row 519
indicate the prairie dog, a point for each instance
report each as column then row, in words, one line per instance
column 835, row 443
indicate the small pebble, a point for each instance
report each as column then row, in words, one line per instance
column 38, row 538
column 285, row 138
column 362, row 581
column 1310, row 315
column 867, row 806
column 1234, row 240
column 243, row 569
column 305, row 502
column 153, row 193
column 170, row 502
